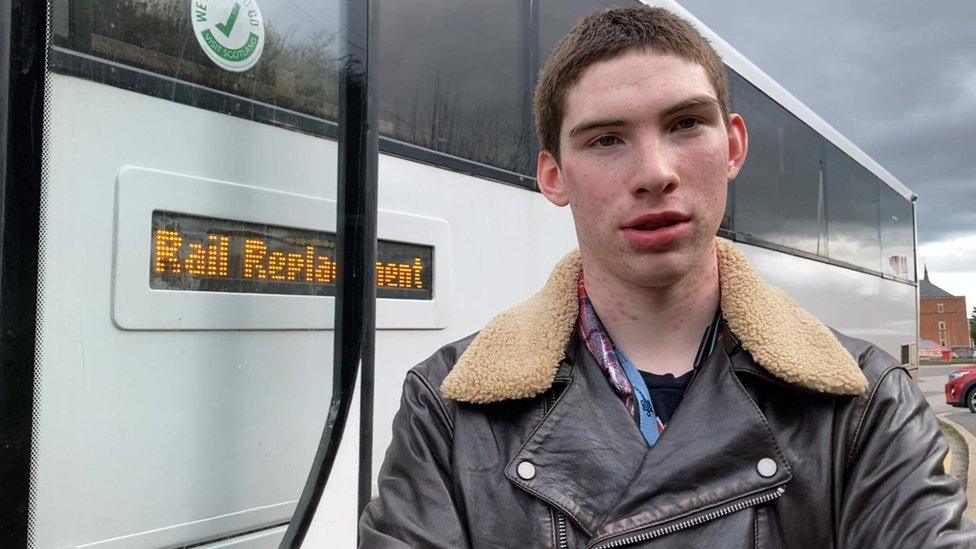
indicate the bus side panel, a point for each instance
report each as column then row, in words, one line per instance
column 858, row 304
column 158, row 437
column 335, row 520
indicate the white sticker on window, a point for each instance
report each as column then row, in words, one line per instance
column 231, row 32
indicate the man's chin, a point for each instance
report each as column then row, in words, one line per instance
column 662, row 269
column 658, row 271
column 645, row 269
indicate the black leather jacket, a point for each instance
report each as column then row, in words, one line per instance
column 749, row 459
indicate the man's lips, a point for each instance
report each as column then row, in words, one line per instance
column 656, row 231
column 654, row 221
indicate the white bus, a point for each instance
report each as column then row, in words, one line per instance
column 181, row 178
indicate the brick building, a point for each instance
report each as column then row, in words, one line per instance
column 943, row 317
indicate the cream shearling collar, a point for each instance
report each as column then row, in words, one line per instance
column 517, row 354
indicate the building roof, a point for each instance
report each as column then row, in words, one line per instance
column 927, row 290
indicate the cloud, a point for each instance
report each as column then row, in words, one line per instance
column 952, row 265
column 951, row 255
column 899, row 83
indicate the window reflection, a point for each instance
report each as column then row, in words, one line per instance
column 556, row 17
column 897, row 235
column 450, row 79
column 852, row 211
column 778, row 196
column 297, row 70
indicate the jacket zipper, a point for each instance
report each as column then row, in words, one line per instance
column 561, row 539
column 695, row 521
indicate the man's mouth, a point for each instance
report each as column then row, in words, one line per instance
column 656, row 231
column 654, row 221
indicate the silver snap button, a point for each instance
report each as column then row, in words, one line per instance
column 766, row 467
column 526, row 470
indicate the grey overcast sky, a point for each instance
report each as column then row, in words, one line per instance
column 898, row 78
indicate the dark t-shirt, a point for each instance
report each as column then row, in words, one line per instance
column 666, row 392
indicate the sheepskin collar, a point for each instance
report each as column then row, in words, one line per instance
column 517, row 354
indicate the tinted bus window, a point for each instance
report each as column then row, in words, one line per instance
column 449, row 79
column 897, row 235
column 777, row 195
column 296, row 64
column 852, row 211
column 558, row 16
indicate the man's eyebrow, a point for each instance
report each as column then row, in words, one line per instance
column 586, row 126
column 690, row 103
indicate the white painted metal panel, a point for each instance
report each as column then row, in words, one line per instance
column 334, row 523
column 265, row 539
column 166, row 437
column 858, row 304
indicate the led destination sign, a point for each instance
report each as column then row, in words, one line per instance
column 221, row 255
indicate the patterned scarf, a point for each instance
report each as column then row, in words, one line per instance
column 598, row 342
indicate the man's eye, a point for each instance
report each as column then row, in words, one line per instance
column 686, row 124
column 607, row 141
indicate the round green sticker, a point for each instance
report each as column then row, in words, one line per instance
column 231, row 32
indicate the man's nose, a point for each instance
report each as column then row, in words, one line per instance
column 654, row 170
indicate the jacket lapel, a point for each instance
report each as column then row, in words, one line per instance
column 585, row 450
column 707, row 457
column 591, row 461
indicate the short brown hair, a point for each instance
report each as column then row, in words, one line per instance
column 603, row 35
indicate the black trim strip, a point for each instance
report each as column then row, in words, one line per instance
column 23, row 27
column 103, row 71
column 355, row 255
column 367, row 378
column 529, row 74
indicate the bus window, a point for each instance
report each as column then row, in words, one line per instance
column 852, row 211
column 777, row 194
column 459, row 90
column 558, row 16
column 296, row 69
column 897, row 235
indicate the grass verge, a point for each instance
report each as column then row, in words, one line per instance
column 959, row 462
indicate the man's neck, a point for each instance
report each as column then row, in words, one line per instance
column 658, row 328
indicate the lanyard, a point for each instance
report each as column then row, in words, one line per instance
column 650, row 425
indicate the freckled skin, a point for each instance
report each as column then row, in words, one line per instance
column 651, row 162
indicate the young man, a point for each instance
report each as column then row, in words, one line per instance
column 656, row 392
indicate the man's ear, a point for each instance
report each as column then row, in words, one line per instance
column 738, row 144
column 550, row 180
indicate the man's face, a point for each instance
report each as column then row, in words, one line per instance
column 645, row 161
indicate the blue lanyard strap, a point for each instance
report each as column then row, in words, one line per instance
column 648, row 422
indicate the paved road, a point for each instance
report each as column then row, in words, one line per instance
column 931, row 380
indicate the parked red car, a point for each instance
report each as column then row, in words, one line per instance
column 960, row 389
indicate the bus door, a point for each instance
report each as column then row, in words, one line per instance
column 170, row 271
